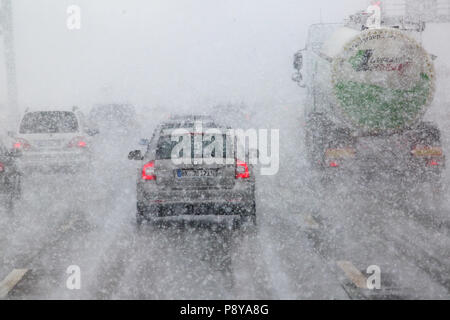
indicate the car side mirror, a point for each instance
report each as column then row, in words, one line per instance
column 298, row 60
column 135, row 155
column 298, row 66
column 92, row 132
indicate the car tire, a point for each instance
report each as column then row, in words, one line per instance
column 143, row 213
column 139, row 219
column 248, row 217
column 17, row 192
column 140, row 211
column 9, row 204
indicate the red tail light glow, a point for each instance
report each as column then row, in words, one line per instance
column 334, row 164
column 21, row 144
column 79, row 142
column 148, row 171
column 2, row 167
column 242, row 170
column 432, row 163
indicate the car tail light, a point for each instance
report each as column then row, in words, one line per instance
column 78, row 142
column 334, row 164
column 242, row 170
column 2, row 167
column 148, row 171
column 21, row 144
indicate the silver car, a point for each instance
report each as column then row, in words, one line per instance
column 53, row 140
column 191, row 173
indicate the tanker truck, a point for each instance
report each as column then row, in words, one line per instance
column 368, row 90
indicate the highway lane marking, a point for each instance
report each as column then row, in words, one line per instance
column 311, row 222
column 302, row 220
column 353, row 274
column 67, row 226
column 11, row 281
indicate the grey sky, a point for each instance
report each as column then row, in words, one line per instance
column 164, row 52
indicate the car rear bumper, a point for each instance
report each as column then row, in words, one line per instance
column 228, row 220
column 238, row 196
column 195, row 208
column 60, row 161
column 214, row 221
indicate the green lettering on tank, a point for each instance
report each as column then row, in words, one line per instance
column 380, row 108
column 358, row 59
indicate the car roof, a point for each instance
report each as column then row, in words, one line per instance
column 112, row 106
column 53, row 109
column 190, row 117
column 186, row 121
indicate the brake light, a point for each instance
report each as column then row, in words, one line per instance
column 21, row 144
column 432, row 163
column 2, row 167
column 242, row 170
column 148, row 171
column 78, row 142
column 334, row 164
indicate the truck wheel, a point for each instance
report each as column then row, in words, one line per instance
column 315, row 138
column 436, row 193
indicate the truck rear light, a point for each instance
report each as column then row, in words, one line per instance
column 427, row 151
column 432, row 163
column 78, row 142
column 148, row 171
column 242, row 170
column 334, row 164
column 21, row 144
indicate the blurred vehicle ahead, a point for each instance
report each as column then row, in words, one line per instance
column 118, row 127
column 10, row 177
column 56, row 140
column 114, row 118
column 368, row 90
column 220, row 190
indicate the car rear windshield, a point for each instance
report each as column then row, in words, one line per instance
column 49, row 122
column 166, row 145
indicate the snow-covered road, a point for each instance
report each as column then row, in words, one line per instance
column 310, row 243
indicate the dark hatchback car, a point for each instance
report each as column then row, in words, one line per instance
column 204, row 182
column 10, row 177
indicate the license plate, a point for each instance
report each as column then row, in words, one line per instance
column 196, row 173
column 48, row 143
